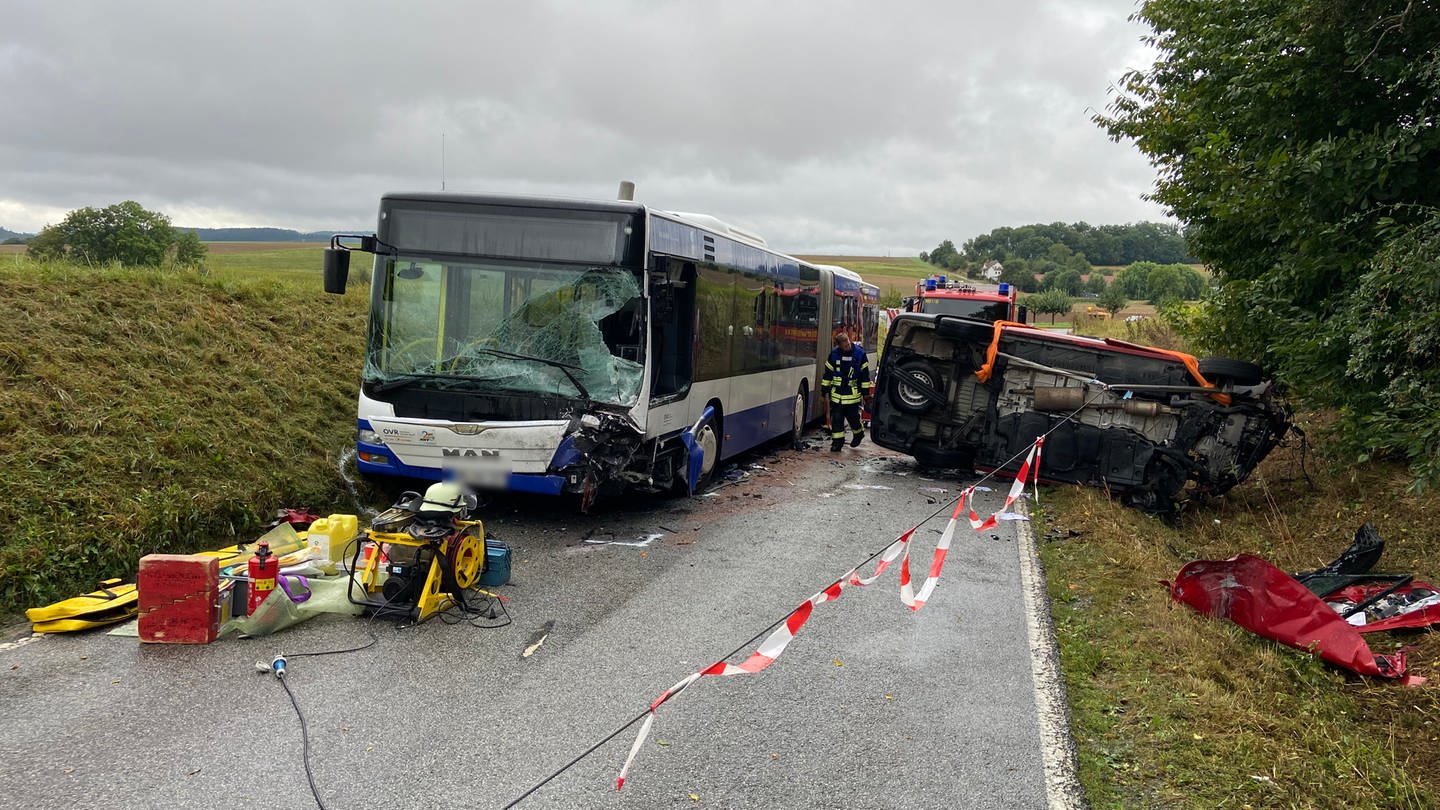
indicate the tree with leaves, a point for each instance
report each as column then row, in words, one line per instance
column 944, row 255
column 1066, row 280
column 1112, row 300
column 123, row 233
column 189, row 250
column 1052, row 302
column 1095, row 283
column 1297, row 140
column 1018, row 274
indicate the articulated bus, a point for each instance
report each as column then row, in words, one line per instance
column 855, row 301
column 568, row 346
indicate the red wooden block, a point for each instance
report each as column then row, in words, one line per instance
column 178, row 595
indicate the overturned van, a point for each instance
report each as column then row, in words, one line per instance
column 1151, row 426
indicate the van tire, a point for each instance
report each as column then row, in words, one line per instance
column 1225, row 369
column 910, row 399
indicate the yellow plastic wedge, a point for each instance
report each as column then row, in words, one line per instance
column 83, row 623
column 112, row 597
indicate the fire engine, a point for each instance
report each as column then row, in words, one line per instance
column 944, row 296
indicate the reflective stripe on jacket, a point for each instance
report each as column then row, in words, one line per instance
column 846, row 375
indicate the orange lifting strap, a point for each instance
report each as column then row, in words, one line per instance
column 983, row 373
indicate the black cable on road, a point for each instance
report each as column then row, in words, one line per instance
column 305, row 741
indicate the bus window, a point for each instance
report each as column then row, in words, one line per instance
column 411, row 336
column 714, row 305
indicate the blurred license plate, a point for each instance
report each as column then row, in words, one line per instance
column 491, row 473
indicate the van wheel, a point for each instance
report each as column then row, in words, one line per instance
column 1239, row 372
column 964, row 329
column 916, row 387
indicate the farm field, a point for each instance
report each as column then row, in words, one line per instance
column 895, row 276
column 278, row 261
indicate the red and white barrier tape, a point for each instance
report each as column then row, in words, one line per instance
column 775, row 643
column 1016, row 489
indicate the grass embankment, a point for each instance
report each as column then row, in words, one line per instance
column 1174, row 709
column 164, row 411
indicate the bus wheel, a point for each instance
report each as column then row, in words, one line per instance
column 709, row 441
column 798, row 414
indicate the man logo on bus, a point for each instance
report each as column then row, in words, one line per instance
column 451, row 452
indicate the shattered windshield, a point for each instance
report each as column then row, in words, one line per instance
column 515, row 327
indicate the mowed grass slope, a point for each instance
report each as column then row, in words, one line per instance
column 164, row 411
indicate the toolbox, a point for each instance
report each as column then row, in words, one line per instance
column 497, row 563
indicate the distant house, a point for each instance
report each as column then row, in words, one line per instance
column 991, row 270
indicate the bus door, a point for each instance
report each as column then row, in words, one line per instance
column 714, row 335
column 672, row 328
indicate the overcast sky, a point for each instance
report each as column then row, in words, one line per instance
column 828, row 126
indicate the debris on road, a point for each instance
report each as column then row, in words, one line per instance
column 642, row 541
column 1316, row 611
column 538, row 639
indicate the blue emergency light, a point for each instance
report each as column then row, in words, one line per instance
column 929, row 284
column 1004, row 289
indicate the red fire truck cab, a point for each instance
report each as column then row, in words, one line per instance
column 939, row 295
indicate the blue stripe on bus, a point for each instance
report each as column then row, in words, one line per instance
column 748, row 428
column 519, row 482
column 395, row 465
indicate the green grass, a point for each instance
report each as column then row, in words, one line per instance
column 894, row 276
column 297, row 263
column 1176, row 710
column 164, row 411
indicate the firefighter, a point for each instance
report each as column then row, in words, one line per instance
column 847, row 383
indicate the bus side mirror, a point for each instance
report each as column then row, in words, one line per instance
column 337, row 269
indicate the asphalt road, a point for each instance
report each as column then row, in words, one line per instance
column 871, row 706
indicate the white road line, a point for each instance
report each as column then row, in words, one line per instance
column 1057, row 747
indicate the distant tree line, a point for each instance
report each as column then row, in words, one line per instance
column 264, row 234
column 1062, row 258
column 1107, row 245
column 8, row 237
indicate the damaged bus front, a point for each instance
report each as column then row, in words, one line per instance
column 570, row 346
column 506, row 343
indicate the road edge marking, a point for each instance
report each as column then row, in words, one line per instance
column 1052, row 706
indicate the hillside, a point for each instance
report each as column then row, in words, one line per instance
column 150, row 411
column 895, row 276
column 266, row 234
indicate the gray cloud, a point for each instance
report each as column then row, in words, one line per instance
column 828, row 126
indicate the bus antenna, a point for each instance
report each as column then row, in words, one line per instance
column 442, row 161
